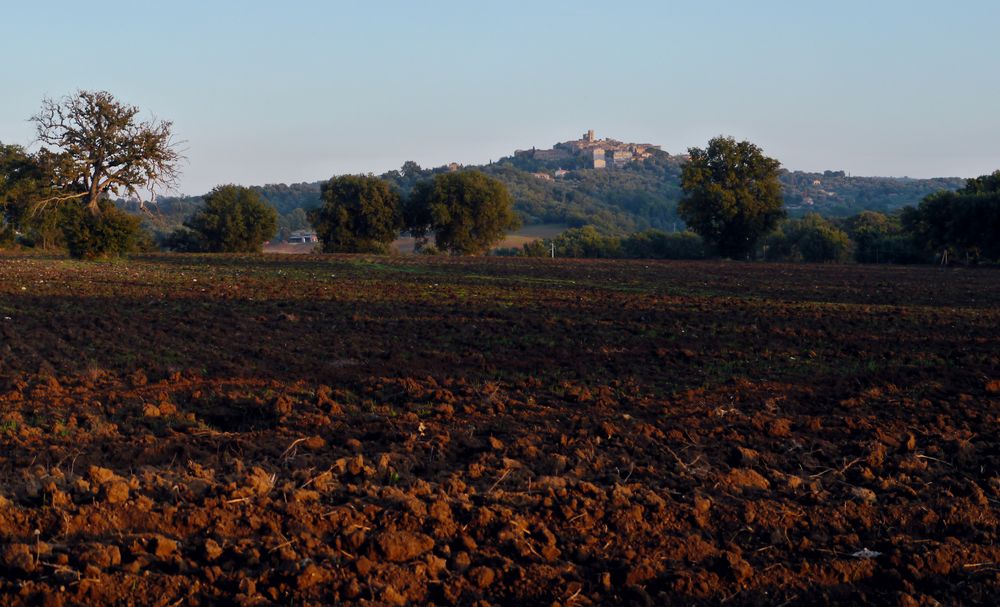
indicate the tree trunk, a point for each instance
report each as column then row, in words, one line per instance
column 92, row 204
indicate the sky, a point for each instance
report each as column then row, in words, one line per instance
column 268, row 92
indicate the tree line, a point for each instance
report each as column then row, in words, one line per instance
column 731, row 199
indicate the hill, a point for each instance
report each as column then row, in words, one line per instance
column 835, row 194
column 615, row 186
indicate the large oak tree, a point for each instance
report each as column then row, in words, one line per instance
column 467, row 211
column 732, row 196
column 360, row 214
column 235, row 219
column 101, row 147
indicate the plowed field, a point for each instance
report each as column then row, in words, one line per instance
column 307, row 430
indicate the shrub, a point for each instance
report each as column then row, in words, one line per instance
column 812, row 239
column 182, row 240
column 576, row 242
column 656, row 244
column 110, row 233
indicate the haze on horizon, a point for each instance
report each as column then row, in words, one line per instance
column 267, row 94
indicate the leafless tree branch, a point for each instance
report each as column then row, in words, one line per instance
column 103, row 148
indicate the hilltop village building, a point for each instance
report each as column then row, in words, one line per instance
column 593, row 152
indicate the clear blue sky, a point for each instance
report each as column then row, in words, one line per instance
column 267, row 92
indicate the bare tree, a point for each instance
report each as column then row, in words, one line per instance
column 104, row 149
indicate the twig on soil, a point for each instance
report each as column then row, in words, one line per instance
column 841, row 471
column 282, row 545
column 499, row 480
column 72, row 464
column 61, row 568
column 290, row 451
column 238, row 500
column 922, row 456
column 850, row 463
column 974, row 565
column 317, row 477
column 680, row 461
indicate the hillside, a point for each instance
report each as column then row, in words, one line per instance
column 617, row 187
column 834, row 194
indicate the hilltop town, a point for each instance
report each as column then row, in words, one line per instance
column 588, row 152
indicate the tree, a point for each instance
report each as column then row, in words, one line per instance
column 963, row 222
column 880, row 238
column 360, row 214
column 467, row 211
column 985, row 184
column 411, row 170
column 104, row 149
column 23, row 183
column 234, row 220
column 812, row 238
column 732, row 196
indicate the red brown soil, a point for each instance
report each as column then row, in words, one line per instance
column 388, row 431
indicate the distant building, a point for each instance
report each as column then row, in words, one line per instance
column 302, row 237
column 560, row 173
column 620, row 158
column 555, row 154
column 596, row 158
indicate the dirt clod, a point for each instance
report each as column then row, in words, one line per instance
column 401, row 546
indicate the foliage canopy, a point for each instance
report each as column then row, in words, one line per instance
column 812, row 238
column 233, row 220
column 109, row 233
column 467, row 211
column 360, row 214
column 23, row 183
column 732, row 196
column 964, row 222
